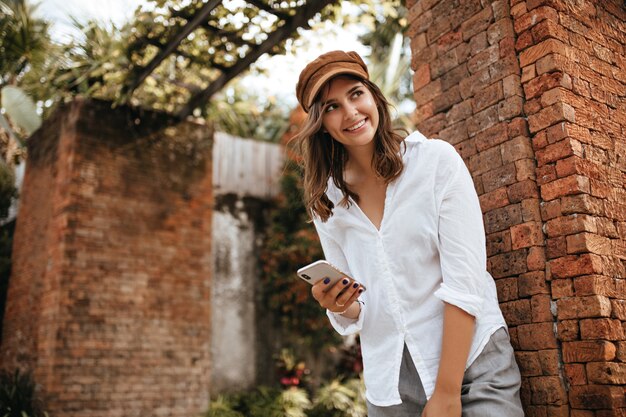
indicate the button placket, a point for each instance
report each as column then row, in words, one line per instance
column 390, row 286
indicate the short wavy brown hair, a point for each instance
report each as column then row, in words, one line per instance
column 323, row 157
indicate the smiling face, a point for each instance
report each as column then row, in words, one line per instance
column 349, row 113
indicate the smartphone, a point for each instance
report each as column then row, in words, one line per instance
column 319, row 270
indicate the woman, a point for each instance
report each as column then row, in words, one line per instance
column 401, row 216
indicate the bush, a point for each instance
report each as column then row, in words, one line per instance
column 17, row 395
column 335, row 399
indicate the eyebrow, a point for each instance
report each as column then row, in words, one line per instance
column 350, row 91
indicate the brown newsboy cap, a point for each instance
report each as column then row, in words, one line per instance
column 322, row 69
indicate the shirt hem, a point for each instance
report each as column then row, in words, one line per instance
column 387, row 403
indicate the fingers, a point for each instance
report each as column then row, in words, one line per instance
column 337, row 297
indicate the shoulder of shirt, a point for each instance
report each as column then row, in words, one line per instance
column 436, row 148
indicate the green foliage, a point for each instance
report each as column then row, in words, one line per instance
column 24, row 40
column 291, row 243
column 17, row 395
column 6, row 246
column 8, row 192
column 335, row 399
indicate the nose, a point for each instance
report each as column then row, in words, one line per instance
column 350, row 111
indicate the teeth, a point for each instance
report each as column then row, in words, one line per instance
column 356, row 126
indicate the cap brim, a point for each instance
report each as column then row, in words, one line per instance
column 330, row 73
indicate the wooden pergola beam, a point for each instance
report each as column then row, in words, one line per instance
column 198, row 18
column 262, row 6
column 279, row 35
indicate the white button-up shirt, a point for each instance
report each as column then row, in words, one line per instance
column 430, row 248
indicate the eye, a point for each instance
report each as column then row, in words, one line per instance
column 357, row 93
column 330, row 108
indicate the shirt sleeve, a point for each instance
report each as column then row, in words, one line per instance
column 461, row 240
column 334, row 254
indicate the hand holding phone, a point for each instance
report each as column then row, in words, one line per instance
column 319, row 270
column 332, row 289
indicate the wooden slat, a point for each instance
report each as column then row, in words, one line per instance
column 246, row 167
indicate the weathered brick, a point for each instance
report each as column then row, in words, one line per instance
column 421, row 77
column 503, row 67
column 562, row 288
column 526, row 21
column 508, row 264
column 510, row 108
column 443, row 64
column 477, row 23
column 574, row 184
column 603, row 328
column 523, row 190
column 606, row 373
column 491, row 137
column 499, row 177
column 454, row 77
column 474, row 83
column 526, row 234
column 618, row 309
column 494, row 199
column 502, row 218
column 548, row 390
column 540, row 309
column 583, row 307
column 498, row 242
column 575, row 374
column 600, row 285
column 550, row 361
column 536, row 259
column 485, row 161
column 459, row 112
column 532, row 283
column 593, row 397
column 445, row 100
column 568, row 330
column 534, row 87
column 588, row 351
column 516, row 312
column 589, row 243
column 528, row 73
column 536, row 336
column 483, row 59
column 568, row 225
column 482, row 120
column 529, row 364
column 532, row 54
column 517, row 127
column 499, row 30
column 507, row 289
column 530, row 209
column 558, row 151
column 455, row 134
column 487, row 96
column 573, row 265
column 546, row 174
column 549, row 116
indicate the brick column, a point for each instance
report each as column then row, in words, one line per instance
column 108, row 302
column 532, row 95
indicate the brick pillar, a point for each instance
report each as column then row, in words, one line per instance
column 108, row 302
column 532, row 94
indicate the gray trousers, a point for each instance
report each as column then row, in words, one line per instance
column 490, row 388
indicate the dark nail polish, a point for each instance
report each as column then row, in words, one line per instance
column 355, row 285
column 361, row 290
column 345, row 282
column 326, row 280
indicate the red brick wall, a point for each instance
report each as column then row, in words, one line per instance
column 532, row 95
column 108, row 302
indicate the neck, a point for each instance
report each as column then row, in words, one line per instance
column 359, row 162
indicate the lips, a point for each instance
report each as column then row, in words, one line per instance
column 356, row 126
